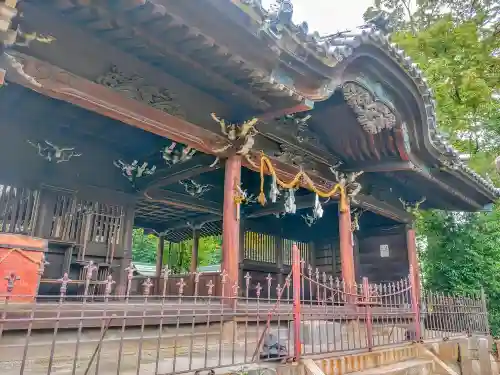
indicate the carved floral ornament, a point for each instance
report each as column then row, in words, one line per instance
column 372, row 114
column 134, row 87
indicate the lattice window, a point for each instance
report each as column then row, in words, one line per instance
column 287, row 251
column 83, row 221
column 260, row 247
column 18, row 209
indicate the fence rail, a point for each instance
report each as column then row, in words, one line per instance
column 196, row 327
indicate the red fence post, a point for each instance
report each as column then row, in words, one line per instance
column 296, row 300
column 415, row 305
column 368, row 307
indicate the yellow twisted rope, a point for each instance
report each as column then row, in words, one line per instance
column 266, row 162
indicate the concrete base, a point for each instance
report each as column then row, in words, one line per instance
column 315, row 332
column 411, row 367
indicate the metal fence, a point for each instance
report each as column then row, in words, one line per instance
column 200, row 330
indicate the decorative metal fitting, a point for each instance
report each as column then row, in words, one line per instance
column 65, row 280
column 109, row 286
column 11, row 281
column 147, row 284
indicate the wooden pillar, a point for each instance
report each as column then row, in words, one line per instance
column 45, row 213
column 230, row 224
column 194, row 251
column 357, row 264
column 279, row 257
column 160, row 249
column 242, row 254
column 128, row 227
column 346, row 245
column 411, row 244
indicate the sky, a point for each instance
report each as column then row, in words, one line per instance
column 328, row 16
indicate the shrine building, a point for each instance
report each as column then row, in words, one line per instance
column 215, row 117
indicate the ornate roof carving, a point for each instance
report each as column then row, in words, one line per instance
column 295, row 156
column 135, row 88
column 373, row 114
column 335, row 48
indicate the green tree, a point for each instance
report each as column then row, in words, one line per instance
column 176, row 255
column 457, row 45
column 143, row 246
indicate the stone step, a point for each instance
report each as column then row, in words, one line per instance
column 409, row 367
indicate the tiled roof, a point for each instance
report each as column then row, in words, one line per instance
column 337, row 47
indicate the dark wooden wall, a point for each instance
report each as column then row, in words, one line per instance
column 377, row 268
column 46, row 199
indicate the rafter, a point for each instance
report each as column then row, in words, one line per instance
column 182, row 201
column 182, row 171
column 364, row 201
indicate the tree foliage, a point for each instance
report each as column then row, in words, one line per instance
column 176, row 255
column 457, row 46
column 144, row 246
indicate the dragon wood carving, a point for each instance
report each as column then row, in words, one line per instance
column 240, row 137
column 373, row 114
column 295, row 156
column 134, row 87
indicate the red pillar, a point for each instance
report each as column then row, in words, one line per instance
column 194, row 251
column 411, row 243
column 230, row 224
column 346, row 245
column 159, row 263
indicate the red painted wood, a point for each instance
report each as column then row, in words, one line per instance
column 20, row 256
column 60, row 84
column 230, row 224
column 346, row 246
column 194, row 251
column 411, row 243
column 296, row 301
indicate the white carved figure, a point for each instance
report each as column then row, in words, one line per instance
column 353, row 186
column 133, row 171
column 309, row 220
column 356, row 214
column 290, row 206
column 194, row 189
column 172, row 155
column 317, row 209
column 412, row 207
column 51, row 152
column 335, row 167
column 127, row 169
column 348, row 182
column 241, row 136
column 143, row 170
column 274, row 192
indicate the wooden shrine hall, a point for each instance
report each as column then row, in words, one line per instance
column 216, row 117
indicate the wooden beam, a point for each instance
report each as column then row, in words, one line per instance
column 303, row 201
column 383, row 208
column 181, row 224
column 380, row 167
column 198, row 161
column 305, row 106
column 60, row 84
column 181, row 173
column 183, row 201
column 307, row 201
column 116, row 15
